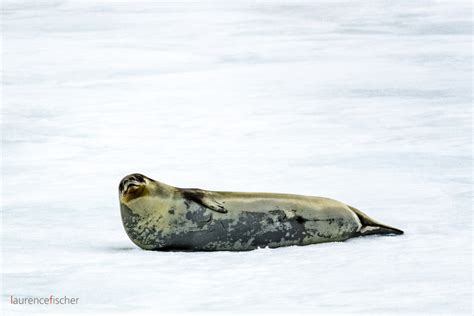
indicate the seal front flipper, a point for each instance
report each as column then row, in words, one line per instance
column 203, row 198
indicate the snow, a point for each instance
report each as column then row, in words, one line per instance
column 365, row 102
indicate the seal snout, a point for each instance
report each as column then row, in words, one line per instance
column 131, row 183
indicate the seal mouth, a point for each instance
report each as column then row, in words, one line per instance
column 131, row 183
column 131, row 186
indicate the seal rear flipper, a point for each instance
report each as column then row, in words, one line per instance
column 203, row 198
column 372, row 227
column 379, row 230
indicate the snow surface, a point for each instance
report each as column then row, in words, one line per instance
column 365, row 102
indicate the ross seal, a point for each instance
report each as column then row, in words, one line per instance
column 157, row 216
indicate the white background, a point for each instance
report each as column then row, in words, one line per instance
column 365, row 102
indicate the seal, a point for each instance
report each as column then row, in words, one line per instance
column 157, row 216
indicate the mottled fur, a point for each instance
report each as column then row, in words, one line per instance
column 157, row 216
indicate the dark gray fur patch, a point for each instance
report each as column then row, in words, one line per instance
column 130, row 222
column 200, row 217
column 249, row 231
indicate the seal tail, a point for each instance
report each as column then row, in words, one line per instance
column 372, row 227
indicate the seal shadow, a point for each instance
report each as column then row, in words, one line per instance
column 119, row 249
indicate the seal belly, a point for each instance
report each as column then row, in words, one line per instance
column 252, row 223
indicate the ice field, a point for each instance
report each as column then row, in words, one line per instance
column 365, row 102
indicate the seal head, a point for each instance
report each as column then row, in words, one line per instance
column 132, row 186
